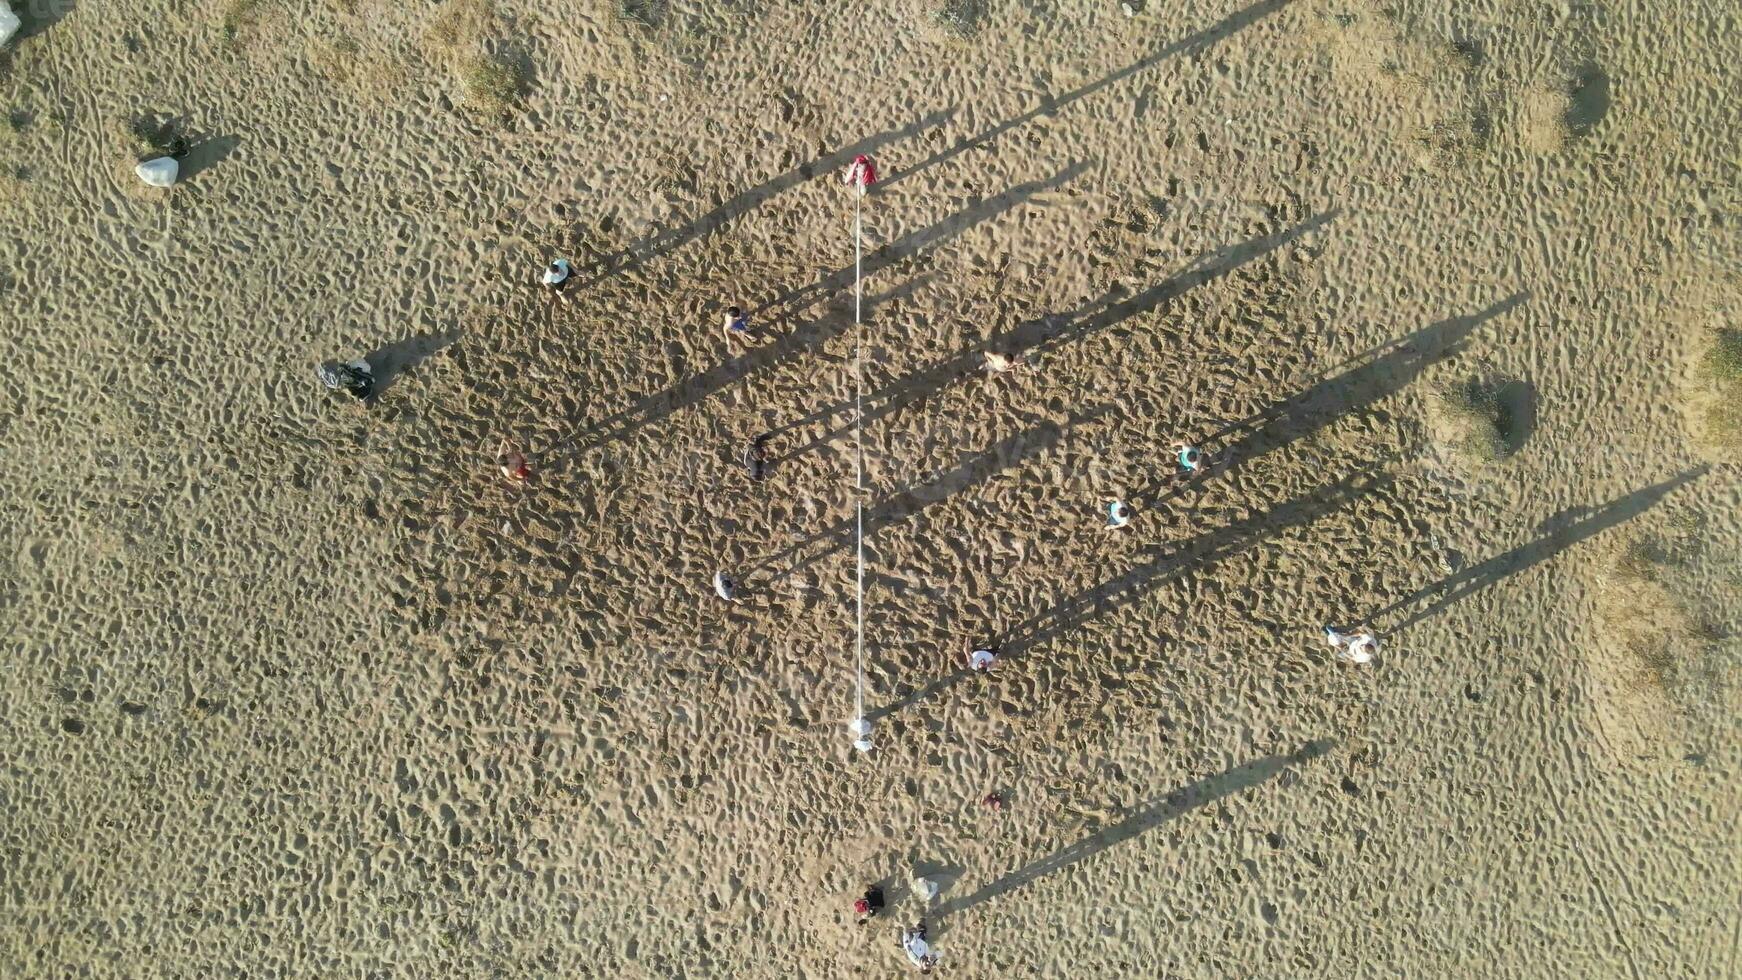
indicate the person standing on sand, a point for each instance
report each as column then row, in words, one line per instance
column 725, row 588
column 980, row 659
column 997, row 364
column 354, row 378
column 557, row 276
column 917, row 949
column 514, row 467
column 867, row 906
column 755, row 457
column 1191, row 459
column 736, row 325
column 1118, row 514
column 861, row 173
column 1355, row 648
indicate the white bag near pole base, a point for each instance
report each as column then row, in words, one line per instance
column 9, row 23
column 160, row 172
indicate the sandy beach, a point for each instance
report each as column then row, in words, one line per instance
column 298, row 688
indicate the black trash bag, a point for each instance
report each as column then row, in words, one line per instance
column 354, row 378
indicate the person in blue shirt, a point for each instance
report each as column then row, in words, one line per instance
column 737, row 325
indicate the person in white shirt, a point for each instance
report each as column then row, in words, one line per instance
column 981, row 659
column 1118, row 514
column 917, row 949
column 725, row 588
column 556, row 278
column 997, row 364
column 1355, row 647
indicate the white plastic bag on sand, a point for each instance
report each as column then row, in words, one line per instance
column 160, row 172
column 925, row 888
column 9, row 22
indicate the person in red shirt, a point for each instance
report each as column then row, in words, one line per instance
column 867, row 907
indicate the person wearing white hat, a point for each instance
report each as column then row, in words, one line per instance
column 556, row 278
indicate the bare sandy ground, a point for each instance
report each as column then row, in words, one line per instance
column 293, row 688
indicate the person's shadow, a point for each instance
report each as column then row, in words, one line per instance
column 1559, row 533
column 902, row 505
column 1383, row 372
column 650, row 409
column 37, row 16
column 917, row 695
column 1197, row 554
column 389, row 362
column 1193, row 43
column 1032, row 336
column 1144, row 818
column 677, row 234
column 205, row 154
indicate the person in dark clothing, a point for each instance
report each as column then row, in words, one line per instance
column 869, row 905
column 756, row 457
column 355, row 378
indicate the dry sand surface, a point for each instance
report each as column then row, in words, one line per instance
column 293, row 688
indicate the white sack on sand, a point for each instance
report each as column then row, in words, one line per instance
column 9, row 23
column 160, row 172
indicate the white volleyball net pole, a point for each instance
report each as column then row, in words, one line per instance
column 860, row 727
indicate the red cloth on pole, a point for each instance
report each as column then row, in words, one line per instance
column 862, row 172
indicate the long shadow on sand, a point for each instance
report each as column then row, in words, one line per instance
column 396, row 359
column 1559, row 533
column 669, row 239
column 659, row 405
column 895, row 508
column 807, row 337
column 1053, row 331
column 206, row 154
column 1145, row 818
column 37, row 16
column 1210, row 35
column 1286, row 421
column 880, row 258
column 1195, row 554
column 917, row 695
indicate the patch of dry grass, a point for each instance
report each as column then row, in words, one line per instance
column 1478, row 419
column 493, row 85
column 962, row 18
column 239, row 17
column 461, row 23
column 1722, row 366
column 1640, row 559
